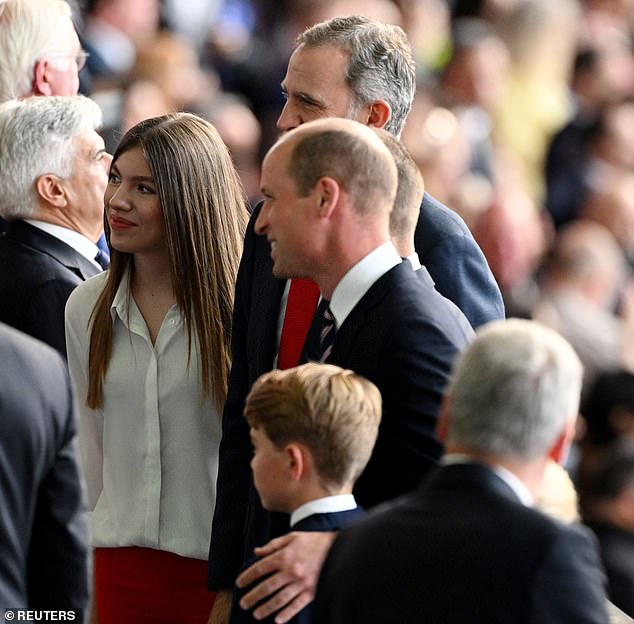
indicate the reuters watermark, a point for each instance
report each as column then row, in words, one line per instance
column 34, row 615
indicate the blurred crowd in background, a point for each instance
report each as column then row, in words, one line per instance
column 523, row 124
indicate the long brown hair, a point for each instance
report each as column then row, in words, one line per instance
column 204, row 213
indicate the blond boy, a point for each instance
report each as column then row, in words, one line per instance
column 313, row 429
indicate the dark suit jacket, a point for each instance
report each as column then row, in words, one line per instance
column 239, row 522
column 617, row 553
column 323, row 522
column 37, row 274
column 461, row 549
column 43, row 541
column 457, row 265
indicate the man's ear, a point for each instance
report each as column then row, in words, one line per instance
column 328, row 192
column 559, row 450
column 379, row 113
column 51, row 189
column 41, row 83
column 442, row 426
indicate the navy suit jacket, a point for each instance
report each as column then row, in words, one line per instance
column 461, row 548
column 239, row 522
column 43, row 535
column 457, row 265
column 37, row 274
column 323, row 522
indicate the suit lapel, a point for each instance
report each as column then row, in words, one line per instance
column 26, row 234
column 355, row 321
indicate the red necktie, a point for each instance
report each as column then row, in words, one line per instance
column 300, row 309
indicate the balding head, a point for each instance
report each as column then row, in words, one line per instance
column 329, row 187
column 347, row 151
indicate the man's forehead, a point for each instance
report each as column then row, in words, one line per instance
column 89, row 139
column 308, row 62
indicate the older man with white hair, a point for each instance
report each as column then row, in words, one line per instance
column 467, row 546
column 53, row 176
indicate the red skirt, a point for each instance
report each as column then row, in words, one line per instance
column 145, row 586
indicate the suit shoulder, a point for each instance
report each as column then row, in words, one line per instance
column 86, row 293
column 24, row 359
column 440, row 220
column 418, row 301
column 14, row 341
column 30, row 263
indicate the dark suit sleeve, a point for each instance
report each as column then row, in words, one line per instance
column 456, row 263
column 415, row 356
column 234, row 472
column 569, row 586
column 58, row 576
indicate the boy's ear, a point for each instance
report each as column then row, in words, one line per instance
column 298, row 460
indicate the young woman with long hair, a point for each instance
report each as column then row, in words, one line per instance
column 148, row 351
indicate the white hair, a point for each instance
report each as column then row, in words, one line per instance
column 29, row 30
column 36, row 137
column 513, row 390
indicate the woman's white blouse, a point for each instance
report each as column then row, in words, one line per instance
column 150, row 454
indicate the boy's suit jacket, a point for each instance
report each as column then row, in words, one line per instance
column 461, row 548
column 323, row 522
column 239, row 523
column 37, row 274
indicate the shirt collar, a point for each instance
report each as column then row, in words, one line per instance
column 73, row 239
column 359, row 279
column 514, row 482
column 414, row 260
column 328, row 504
column 121, row 301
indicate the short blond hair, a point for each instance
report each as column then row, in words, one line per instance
column 334, row 412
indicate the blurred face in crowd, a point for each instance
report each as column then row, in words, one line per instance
column 57, row 73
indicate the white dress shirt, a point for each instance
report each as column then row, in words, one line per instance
column 360, row 278
column 150, row 454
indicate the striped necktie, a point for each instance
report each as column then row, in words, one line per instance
column 327, row 335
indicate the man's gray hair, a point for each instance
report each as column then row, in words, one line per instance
column 513, row 390
column 381, row 65
column 36, row 137
column 28, row 31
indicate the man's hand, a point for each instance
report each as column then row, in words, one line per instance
column 221, row 609
column 293, row 562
